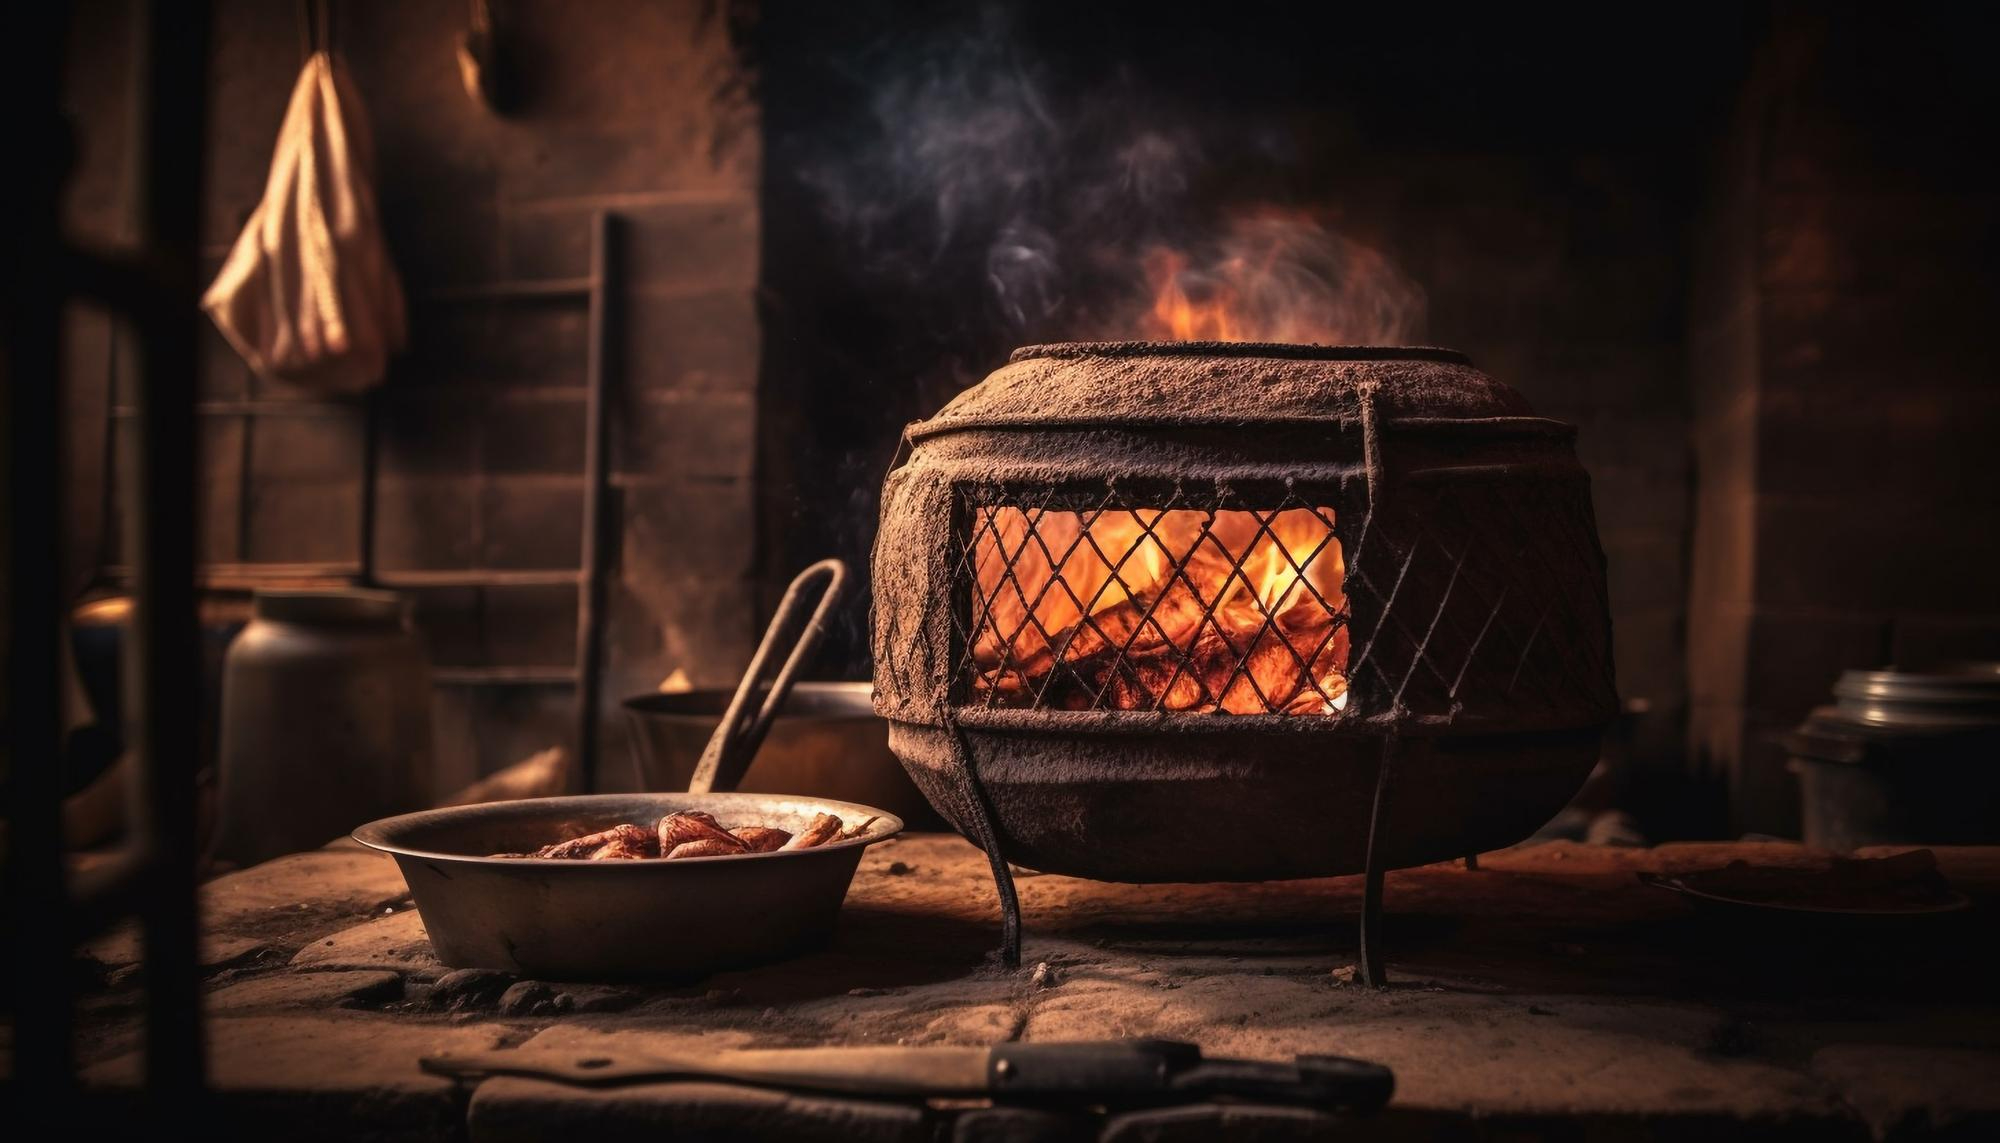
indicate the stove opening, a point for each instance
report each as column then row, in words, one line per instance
column 1152, row 606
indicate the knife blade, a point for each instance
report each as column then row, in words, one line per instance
column 1115, row 1072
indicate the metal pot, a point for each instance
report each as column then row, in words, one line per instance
column 1902, row 757
column 827, row 742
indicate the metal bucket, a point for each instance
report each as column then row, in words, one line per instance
column 826, row 742
column 1902, row 757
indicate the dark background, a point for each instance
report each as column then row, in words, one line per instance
column 1748, row 249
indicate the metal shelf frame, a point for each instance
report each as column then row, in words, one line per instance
column 595, row 292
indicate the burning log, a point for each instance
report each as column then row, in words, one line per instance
column 1188, row 611
column 1176, row 659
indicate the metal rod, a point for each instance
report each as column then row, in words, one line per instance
column 164, row 665
column 37, row 952
column 371, row 447
column 596, row 536
column 795, row 633
column 1374, row 971
column 987, row 837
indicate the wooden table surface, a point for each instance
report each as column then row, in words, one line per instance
column 1547, row 990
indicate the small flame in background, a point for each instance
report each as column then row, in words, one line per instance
column 1277, row 276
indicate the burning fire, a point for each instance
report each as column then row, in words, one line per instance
column 1182, row 318
column 1229, row 611
column 1278, row 276
column 1178, row 610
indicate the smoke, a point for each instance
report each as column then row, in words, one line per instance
column 1066, row 207
column 958, row 157
column 968, row 187
column 1275, row 276
column 1024, row 272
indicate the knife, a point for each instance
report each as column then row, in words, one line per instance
column 1111, row 1072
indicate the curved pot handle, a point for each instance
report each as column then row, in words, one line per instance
column 747, row 720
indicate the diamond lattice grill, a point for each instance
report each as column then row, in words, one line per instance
column 1175, row 607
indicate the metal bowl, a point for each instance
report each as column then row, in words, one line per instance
column 620, row 920
column 827, row 742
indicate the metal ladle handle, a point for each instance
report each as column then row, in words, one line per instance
column 744, row 724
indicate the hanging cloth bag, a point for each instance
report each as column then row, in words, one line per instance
column 308, row 295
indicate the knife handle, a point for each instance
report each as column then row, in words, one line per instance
column 1326, row 1083
column 1166, row 1071
column 1112, row 1070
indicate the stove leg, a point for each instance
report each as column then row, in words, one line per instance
column 981, row 819
column 1374, row 970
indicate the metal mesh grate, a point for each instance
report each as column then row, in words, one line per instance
column 1099, row 601
column 1489, row 601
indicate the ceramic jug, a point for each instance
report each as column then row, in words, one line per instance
column 326, row 721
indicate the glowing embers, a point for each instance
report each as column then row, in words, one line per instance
column 1237, row 611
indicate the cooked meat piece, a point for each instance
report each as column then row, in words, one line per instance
column 762, row 839
column 824, row 828
column 693, row 833
column 677, row 829
column 706, row 847
column 624, row 850
column 577, row 848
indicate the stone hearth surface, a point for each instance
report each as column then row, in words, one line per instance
column 1548, row 989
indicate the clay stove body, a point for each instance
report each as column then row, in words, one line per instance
column 1444, row 613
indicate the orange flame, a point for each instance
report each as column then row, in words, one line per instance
column 1277, row 276
column 1179, row 610
column 1176, row 315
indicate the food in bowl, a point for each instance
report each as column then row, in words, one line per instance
column 692, row 833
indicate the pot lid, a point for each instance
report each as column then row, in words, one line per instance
column 342, row 607
column 1954, row 694
column 1222, row 383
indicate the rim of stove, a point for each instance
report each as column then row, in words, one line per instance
column 1286, row 351
column 1038, row 721
column 948, row 420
